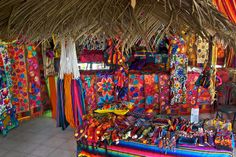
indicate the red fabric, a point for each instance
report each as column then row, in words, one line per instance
column 53, row 95
column 227, row 7
column 88, row 56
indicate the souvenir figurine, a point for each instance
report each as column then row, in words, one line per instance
column 139, row 132
column 134, row 131
column 200, row 136
column 115, row 137
column 210, row 138
column 173, row 143
column 144, row 135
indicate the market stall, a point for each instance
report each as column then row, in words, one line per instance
column 159, row 62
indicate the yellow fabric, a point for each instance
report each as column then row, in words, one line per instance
column 117, row 112
column 68, row 100
column 213, row 75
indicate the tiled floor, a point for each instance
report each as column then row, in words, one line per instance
column 38, row 138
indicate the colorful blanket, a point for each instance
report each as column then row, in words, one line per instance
column 20, row 97
column 133, row 149
column 34, row 80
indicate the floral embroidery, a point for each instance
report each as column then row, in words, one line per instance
column 106, row 86
column 105, row 99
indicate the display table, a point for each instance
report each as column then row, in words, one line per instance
column 107, row 132
column 130, row 149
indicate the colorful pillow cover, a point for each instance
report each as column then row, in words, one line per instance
column 89, row 82
column 151, row 92
column 136, row 90
column 105, row 89
column 164, row 85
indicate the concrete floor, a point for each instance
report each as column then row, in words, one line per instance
column 38, row 138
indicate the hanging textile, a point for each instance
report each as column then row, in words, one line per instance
column 5, row 79
column 190, row 40
column 178, row 65
column 74, row 102
column 68, row 100
column 227, row 7
column 53, row 94
column 164, row 86
column 121, row 84
column 231, row 59
column 89, row 82
column 105, row 89
column 202, row 50
column 151, row 92
column 61, row 117
column 20, row 97
column 220, row 54
column 34, row 80
column 136, row 90
column 78, row 102
column 8, row 119
column 43, row 87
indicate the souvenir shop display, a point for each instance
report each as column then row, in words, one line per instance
column 123, row 105
column 130, row 77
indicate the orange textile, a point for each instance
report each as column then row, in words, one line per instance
column 228, row 8
column 53, row 95
column 68, row 100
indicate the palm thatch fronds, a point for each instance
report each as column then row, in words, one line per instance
column 39, row 19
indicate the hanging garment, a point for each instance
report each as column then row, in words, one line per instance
column 68, row 100
column 61, row 117
column 53, row 94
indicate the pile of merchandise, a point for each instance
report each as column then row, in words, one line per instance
column 112, row 125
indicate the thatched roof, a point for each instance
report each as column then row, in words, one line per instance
column 39, row 19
